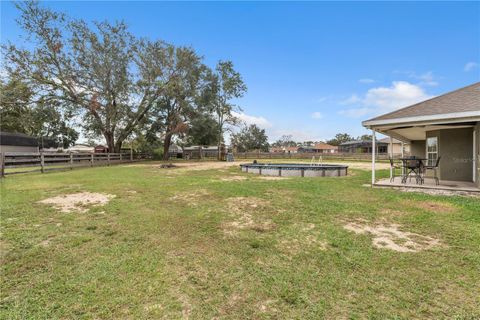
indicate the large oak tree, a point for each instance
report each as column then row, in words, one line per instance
column 100, row 71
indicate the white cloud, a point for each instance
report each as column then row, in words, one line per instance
column 427, row 79
column 297, row 135
column 321, row 99
column 385, row 99
column 317, row 115
column 399, row 95
column 366, row 80
column 424, row 79
column 248, row 119
column 352, row 100
column 470, row 66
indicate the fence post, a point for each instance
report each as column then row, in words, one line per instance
column 71, row 160
column 120, row 156
column 108, row 158
column 91, row 159
column 2, row 165
column 131, row 154
column 42, row 162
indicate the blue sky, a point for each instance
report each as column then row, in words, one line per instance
column 312, row 68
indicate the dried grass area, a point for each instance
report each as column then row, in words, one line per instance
column 245, row 212
column 389, row 236
column 191, row 198
column 301, row 238
column 78, row 201
column 433, row 206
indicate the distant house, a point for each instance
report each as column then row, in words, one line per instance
column 362, row 146
column 197, row 152
column 100, row 149
column 291, row 149
column 80, row 147
column 277, row 149
column 325, row 148
column 306, row 149
column 285, row 149
column 397, row 146
column 174, row 151
column 17, row 142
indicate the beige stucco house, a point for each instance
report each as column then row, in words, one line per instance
column 395, row 146
column 447, row 126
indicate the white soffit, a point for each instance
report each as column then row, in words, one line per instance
column 419, row 133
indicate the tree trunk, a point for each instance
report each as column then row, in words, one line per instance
column 118, row 146
column 166, row 145
column 110, row 141
column 219, row 143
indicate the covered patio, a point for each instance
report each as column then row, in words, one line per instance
column 464, row 186
column 443, row 135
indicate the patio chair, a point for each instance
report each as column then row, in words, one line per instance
column 394, row 166
column 415, row 167
column 434, row 168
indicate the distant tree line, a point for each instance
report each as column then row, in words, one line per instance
column 287, row 140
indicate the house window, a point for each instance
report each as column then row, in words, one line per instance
column 382, row 149
column 432, row 150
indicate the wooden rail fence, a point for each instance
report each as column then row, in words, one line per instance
column 43, row 161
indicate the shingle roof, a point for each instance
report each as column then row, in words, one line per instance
column 17, row 139
column 461, row 100
column 325, row 146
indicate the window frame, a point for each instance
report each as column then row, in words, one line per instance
column 431, row 161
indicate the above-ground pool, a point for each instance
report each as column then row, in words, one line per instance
column 296, row 169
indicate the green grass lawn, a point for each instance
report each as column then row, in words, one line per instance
column 202, row 244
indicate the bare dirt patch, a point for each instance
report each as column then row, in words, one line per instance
column 267, row 306
column 434, row 192
column 389, row 236
column 234, row 178
column 78, row 201
column 272, row 178
column 246, row 214
column 361, row 165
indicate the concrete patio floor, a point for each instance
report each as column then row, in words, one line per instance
column 464, row 186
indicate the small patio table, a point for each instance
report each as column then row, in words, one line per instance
column 412, row 169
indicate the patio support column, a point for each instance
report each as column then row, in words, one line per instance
column 474, row 160
column 391, row 157
column 403, row 156
column 374, row 147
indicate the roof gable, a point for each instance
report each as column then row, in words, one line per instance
column 466, row 99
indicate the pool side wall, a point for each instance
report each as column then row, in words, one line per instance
column 297, row 172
